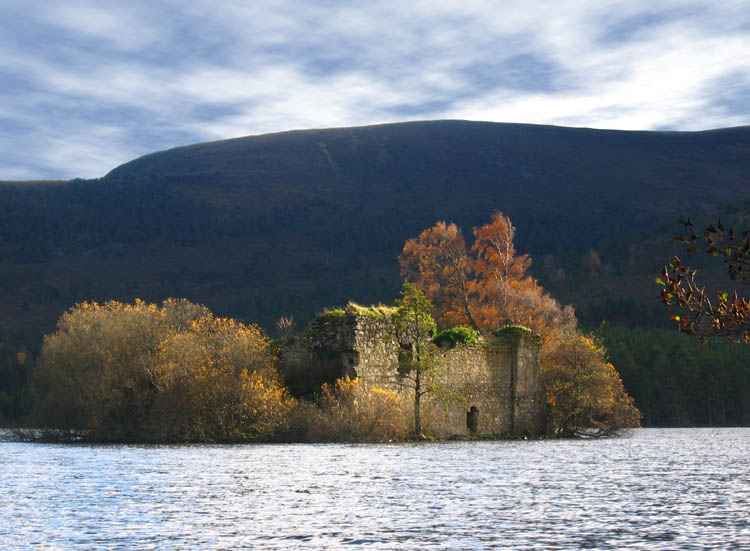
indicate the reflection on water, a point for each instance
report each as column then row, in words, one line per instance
column 659, row 489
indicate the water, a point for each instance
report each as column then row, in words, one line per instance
column 659, row 489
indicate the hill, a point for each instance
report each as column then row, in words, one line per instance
column 262, row 226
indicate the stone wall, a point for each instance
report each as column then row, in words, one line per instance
column 500, row 376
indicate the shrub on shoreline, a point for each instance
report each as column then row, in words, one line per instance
column 584, row 392
column 174, row 373
column 348, row 411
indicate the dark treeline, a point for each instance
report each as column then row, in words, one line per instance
column 41, row 221
column 16, row 360
column 676, row 381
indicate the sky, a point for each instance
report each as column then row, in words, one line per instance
column 86, row 85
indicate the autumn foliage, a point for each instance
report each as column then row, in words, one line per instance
column 485, row 287
column 349, row 411
column 176, row 373
column 438, row 262
column 173, row 372
column 584, row 392
column 725, row 314
column 488, row 286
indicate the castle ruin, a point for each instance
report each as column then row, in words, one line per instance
column 499, row 376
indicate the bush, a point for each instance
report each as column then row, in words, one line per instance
column 460, row 334
column 347, row 411
column 94, row 371
column 584, row 392
column 117, row 372
column 217, row 382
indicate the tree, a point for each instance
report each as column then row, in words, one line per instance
column 728, row 314
column 437, row 261
column 497, row 265
column 489, row 287
column 217, row 382
column 506, row 293
column 417, row 365
column 584, row 392
column 94, row 373
column 592, row 261
column 484, row 288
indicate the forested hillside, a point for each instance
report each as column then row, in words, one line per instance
column 288, row 223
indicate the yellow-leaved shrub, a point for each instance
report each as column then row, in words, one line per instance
column 584, row 392
column 349, row 411
column 173, row 372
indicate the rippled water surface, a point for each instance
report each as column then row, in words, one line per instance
column 658, row 489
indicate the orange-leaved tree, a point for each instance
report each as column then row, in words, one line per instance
column 485, row 287
column 437, row 261
column 506, row 293
column 489, row 286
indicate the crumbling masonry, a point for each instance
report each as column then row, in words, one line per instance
column 499, row 376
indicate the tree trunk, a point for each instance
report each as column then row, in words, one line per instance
column 417, row 405
column 467, row 306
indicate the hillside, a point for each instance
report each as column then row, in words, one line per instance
column 262, row 226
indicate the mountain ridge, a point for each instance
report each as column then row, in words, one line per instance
column 285, row 133
column 289, row 222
